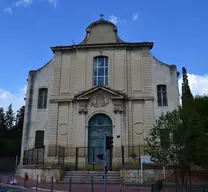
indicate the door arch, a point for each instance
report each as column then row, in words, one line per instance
column 98, row 126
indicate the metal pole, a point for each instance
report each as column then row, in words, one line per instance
column 38, row 155
column 93, row 163
column 37, row 182
column 122, row 149
column 111, row 155
column 76, row 165
column 92, row 185
column 141, row 171
column 16, row 163
column 105, row 164
column 70, row 184
column 52, row 184
column 190, row 182
column 43, row 155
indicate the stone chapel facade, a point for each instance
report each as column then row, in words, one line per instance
column 102, row 85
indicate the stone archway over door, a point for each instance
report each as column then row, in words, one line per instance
column 99, row 125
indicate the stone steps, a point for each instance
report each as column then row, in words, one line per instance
column 87, row 176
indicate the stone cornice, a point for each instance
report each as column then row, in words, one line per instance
column 141, row 99
column 67, row 98
column 106, row 45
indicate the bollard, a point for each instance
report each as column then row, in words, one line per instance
column 121, row 188
column 92, row 185
column 70, row 184
column 25, row 179
column 52, row 184
column 152, row 188
column 37, row 179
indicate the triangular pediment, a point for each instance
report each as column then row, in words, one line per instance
column 86, row 95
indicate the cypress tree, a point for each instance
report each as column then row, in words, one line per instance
column 186, row 91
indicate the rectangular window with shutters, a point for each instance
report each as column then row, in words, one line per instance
column 162, row 95
column 39, row 139
column 42, row 98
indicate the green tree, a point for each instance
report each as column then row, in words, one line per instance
column 178, row 138
column 2, row 123
column 195, row 123
column 166, row 150
column 9, row 117
column 186, row 91
column 11, row 127
column 170, row 143
column 19, row 121
column 200, row 106
column 20, row 118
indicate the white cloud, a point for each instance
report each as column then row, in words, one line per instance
column 114, row 19
column 7, row 97
column 23, row 3
column 53, row 2
column 135, row 16
column 26, row 3
column 8, row 10
column 198, row 84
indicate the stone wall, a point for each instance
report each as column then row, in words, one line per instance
column 148, row 176
column 45, row 173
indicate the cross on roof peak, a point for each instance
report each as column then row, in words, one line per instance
column 101, row 16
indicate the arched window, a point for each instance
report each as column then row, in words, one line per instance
column 100, row 71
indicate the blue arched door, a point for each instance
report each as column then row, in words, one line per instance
column 99, row 125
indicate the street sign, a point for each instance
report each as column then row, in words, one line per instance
column 146, row 159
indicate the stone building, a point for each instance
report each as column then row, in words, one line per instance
column 102, row 85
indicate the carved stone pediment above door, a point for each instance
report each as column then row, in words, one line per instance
column 100, row 100
column 100, row 97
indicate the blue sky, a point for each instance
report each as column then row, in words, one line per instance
column 29, row 27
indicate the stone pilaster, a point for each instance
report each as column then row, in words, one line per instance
column 53, row 107
column 147, row 72
column 73, row 73
column 70, row 147
column 56, row 65
column 117, row 131
column 129, row 104
column 128, row 71
column 130, row 124
column 148, row 111
column 52, row 133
